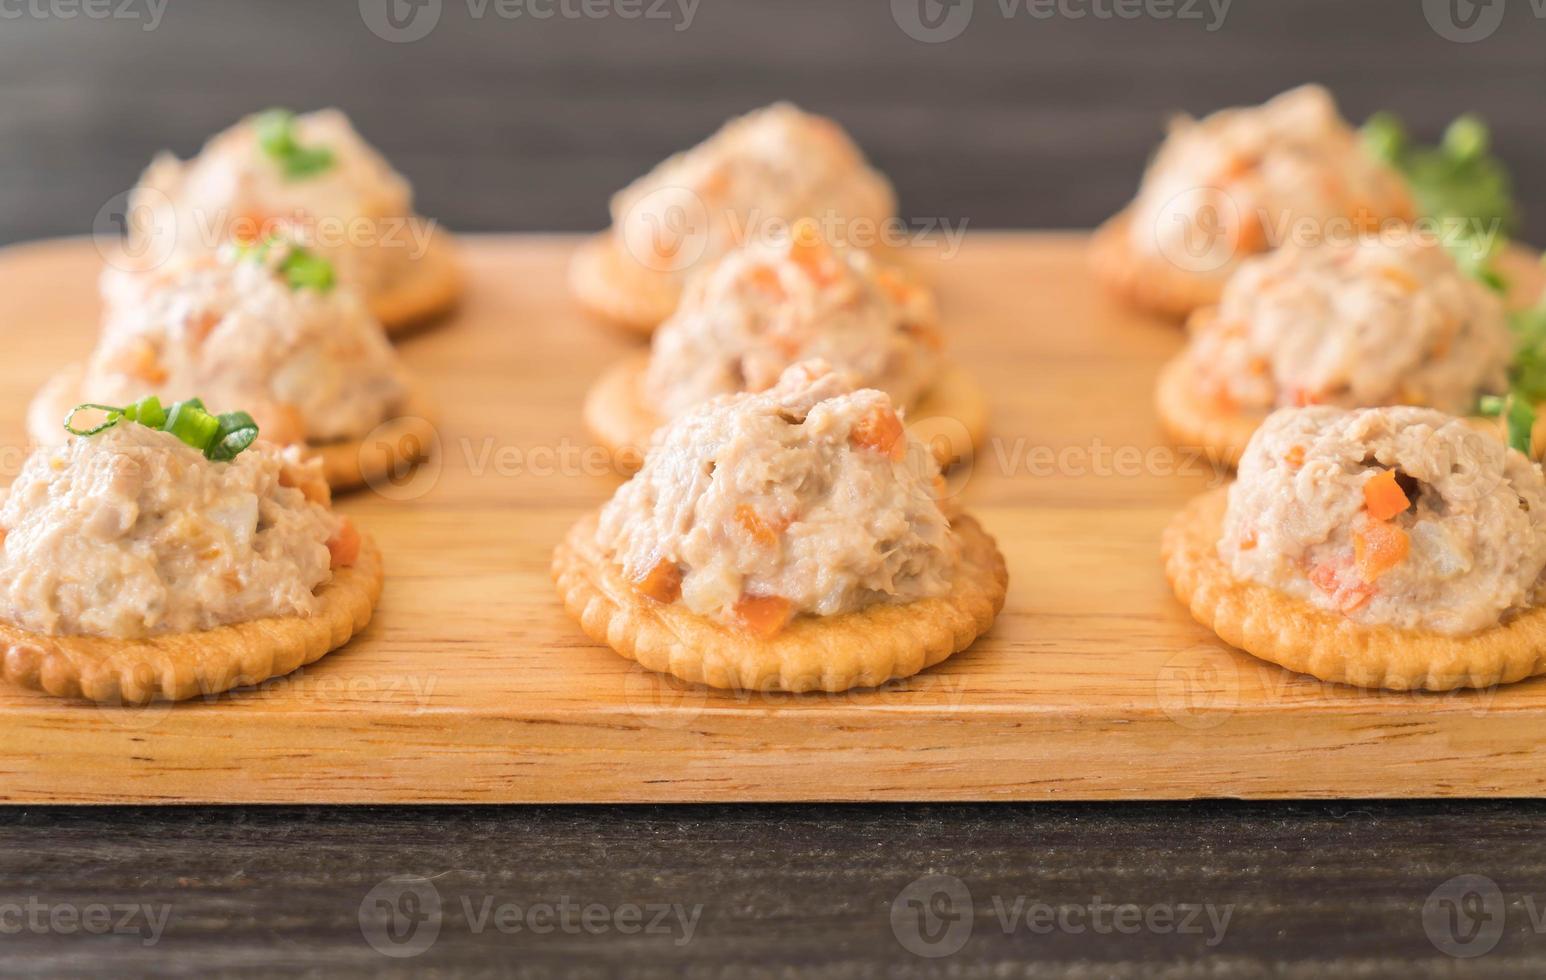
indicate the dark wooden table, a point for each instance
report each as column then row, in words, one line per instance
column 530, row 123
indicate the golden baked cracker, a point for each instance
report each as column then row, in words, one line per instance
column 861, row 649
column 431, row 289
column 1192, row 421
column 951, row 416
column 1295, row 634
column 1149, row 282
column 348, row 464
column 617, row 288
column 178, row 666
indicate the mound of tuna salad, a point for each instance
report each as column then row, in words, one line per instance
column 1292, row 159
column 770, row 305
column 1401, row 517
column 777, row 164
column 131, row 533
column 266, row 327
column 806, row 498
column 275, row 168
column 1357, row 324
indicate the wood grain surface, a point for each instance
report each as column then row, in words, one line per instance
column 473, row 685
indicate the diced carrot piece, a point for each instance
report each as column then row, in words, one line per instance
column 1294, row 457
column 1237, row 166
column 763, row 616
column 895, row 285
column 204, row 324
column 1348, row 596
column 809, row 251
column 1383, row 496
column 1251, row 236
column 663, row 583
column 1324, row 576
column 142, row 362
column 1303, row 397
column 1400, row 277
column 344, row 545
column 1378, row 547
column 762, row 531
column 1248, row 540
column 1258, row 366
column 250, row 227
column 3, row 533
column 1354, row 596
column 880, row 431
column 765, row 278
column 309, row 481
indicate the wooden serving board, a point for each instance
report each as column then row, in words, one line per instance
column 472, row 685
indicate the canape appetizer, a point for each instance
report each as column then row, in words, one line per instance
column 770, row 305
column 162, row 553
column 266, row 326
column 1229, row 186
column 772, row 166
column 787, row 540
column 314, row 170
column 1357, row 324
column 1390, row 547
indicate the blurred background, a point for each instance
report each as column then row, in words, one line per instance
column 526, row 115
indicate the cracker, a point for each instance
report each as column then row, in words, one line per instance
column 1295, row 634
column 178, row 666
column 951, row 416
column 393, row 445
column 860, row 649
column 1149, row 282
column 1195, row 422
column 617, row 288
column 431, row 289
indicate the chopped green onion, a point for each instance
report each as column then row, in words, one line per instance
column 1521, row 424
column 193, row 425
column 277, row 138
column 113, row 417
column 1491, row 406
column 236, row 432
column 305, row 270
column 220, row 438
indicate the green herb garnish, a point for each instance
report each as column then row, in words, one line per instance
column 278, row 139
column 301, row 267
column 220, row 438
column 1518, row 415
column 1458, row 182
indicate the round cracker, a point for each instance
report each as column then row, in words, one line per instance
column 1195, row 422
column 431, row 289
column 178, row 666
column 1293, row 633
column 395, row 444
column 615, row 287
column 1149, row 282
column 951, row 416
column 860, row 649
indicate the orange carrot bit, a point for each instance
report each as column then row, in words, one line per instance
column 763, row 616
column 309, row 482
column 250, row 227
column 762, row 531
column 765, row 279
column 1303, row 397
column 895, row 285
column 1248, row 540
column 143, row 362
column 1383, row 496
column 663, row 583
column 1251, row 236
column 1378, row 547
column 1400, row 277
column 344, row 545
column 809, row 250
column 1324, row 576
column 1294, row 457
column 880, row 431
column 1348, row 596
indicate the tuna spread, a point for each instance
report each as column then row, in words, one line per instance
column 1401, row 517
column 767, row 168
column 131, row 533
column 312, row 169
column 772, row 304
column 1356, row 324
column 309, row 364
column 804, row 498
column 1245, row 170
